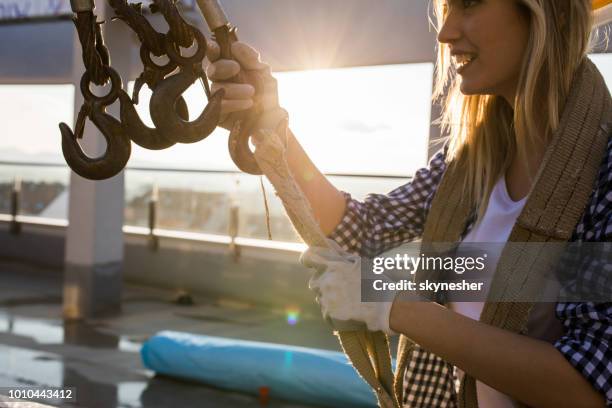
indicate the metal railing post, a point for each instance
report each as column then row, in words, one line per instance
column 234, row 219
column 153, row 239
column 15, row 226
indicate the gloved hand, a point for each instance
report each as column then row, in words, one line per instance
column 337, row 283
column 241, row 97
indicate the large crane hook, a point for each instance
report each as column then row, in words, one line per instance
column 141, row 134
column 118, row 148
column 168, row 92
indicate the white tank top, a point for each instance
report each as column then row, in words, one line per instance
column 495, row 226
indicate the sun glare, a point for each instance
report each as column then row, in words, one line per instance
column 367, row 120
column 340, row 116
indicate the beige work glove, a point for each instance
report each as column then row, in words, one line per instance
column 240, row 97
column 337, row 285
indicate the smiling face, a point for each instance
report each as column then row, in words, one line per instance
column 487, row 41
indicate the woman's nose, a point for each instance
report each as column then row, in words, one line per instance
column 451, row 30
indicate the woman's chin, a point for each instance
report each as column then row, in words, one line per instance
column 468, row 89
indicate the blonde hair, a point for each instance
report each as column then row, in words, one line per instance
column 485, row 131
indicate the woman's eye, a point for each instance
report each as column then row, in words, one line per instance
column 449, row 5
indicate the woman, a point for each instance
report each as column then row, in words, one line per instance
column 507, row 68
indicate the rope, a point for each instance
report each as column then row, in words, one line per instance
column 95, row 54
column 182, row 33
column 131, row 14
column 367, row 351
column 265, row 200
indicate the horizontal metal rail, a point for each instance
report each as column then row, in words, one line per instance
column 201, row 171
column 168, row 234
column 175, row 234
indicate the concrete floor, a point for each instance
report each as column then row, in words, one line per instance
column 100, row 358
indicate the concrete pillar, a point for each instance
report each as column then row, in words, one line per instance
column 94, row 242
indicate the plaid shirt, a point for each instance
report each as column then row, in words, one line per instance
column 383, row 222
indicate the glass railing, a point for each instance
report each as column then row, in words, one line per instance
column 199, row 201
column 202, row 201
column 42, row 189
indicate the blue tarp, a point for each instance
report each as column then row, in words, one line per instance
column 306, row 375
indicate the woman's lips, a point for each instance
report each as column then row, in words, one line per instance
column 462, row 62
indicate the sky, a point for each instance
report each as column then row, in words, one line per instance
column 340, row 116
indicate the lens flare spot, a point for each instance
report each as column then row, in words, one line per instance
column 293, row 316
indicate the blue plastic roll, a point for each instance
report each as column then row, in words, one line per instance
column 306, row 375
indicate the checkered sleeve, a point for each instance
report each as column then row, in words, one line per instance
column 382, row 222
column 586, row 343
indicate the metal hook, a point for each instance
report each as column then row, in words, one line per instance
column 114, row 159
column 141, row 134
column 118, row 144
column 238, row 145
column 162, row 107
column 168, row 92
column 153, row 74
column 245, row 124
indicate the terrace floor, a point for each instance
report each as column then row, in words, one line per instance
column 100, row 357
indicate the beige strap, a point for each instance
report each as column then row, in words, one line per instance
column 557, row 201
column 559, row 196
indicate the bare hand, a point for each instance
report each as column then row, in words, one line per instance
column 240, row 97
